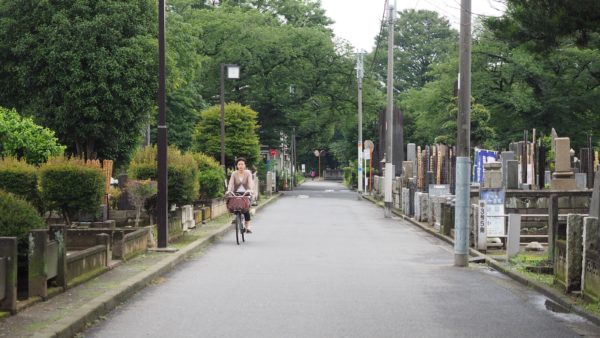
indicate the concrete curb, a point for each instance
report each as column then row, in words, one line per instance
column 547, row 291
column 70, row 326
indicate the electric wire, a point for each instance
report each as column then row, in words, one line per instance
column 385, row 6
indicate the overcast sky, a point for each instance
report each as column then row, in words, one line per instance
column 358, row 21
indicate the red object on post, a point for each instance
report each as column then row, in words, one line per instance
column 273, row 152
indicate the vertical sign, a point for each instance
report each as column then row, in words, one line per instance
column 494, row 211
column 481, row 227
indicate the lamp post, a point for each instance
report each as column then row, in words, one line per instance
column 318, row 154
column 233, row 72
column 162, row 237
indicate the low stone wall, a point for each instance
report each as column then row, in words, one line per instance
column 218, row 207
column 87, row 261
column 132, row 244
column 81, row 239
column 127, row 217
column 333, row 174
column 536, row 201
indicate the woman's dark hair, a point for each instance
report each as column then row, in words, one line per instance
column 240, row 159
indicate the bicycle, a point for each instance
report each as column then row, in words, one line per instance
column 238, row 205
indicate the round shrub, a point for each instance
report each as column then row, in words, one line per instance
column 21, row 179
column 71, row 186
column 205, row 161
column 183, row 186
column 17, row 217
column 212, row 183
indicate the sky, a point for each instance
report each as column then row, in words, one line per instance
column 358, row 21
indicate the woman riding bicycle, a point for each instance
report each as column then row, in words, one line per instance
column 241, row 182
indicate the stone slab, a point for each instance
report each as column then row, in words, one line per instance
column 563, row 184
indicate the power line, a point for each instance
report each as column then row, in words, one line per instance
column 385, row 6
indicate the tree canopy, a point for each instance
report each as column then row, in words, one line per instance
column 241, row 137
column 84, row 68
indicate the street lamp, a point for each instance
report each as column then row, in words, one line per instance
column 319, row 153
column 233, row 72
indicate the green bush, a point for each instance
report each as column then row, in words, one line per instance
column 17, row 217
column 22, row 138
column 183, row 183
column 241, row 133
column 211, row 177
column 350, row 175
column 211, row 183
column 205, row 161
column 21, row 179
column 71, row 186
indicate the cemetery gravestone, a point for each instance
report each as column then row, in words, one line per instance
column 512, row 175
column 411, row 152
column 563, row 178
column 506, row 156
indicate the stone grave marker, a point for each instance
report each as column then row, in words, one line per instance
column 581, row 181
column 505, row 157
column 512, row 174
column 563, row 178
column 411, row 153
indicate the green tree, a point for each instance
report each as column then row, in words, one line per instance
column 546, row 70
column 241, row 137
column 545, row 25
column 84, row 68
column 21, row 138
column 422, row 38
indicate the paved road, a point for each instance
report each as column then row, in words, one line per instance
column 323, row 264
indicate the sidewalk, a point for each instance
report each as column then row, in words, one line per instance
column 568, row 303
column 69, row 312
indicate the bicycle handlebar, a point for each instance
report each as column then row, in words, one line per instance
column 232, row 194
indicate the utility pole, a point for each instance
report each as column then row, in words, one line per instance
column 161, row 137
column 389, row 118
column 359, row 75
column 222, row 98
column 463, row 162
column 293, row 157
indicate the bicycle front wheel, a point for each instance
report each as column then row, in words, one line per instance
column 238, row 224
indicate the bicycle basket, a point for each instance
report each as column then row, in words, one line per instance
column 238, row 203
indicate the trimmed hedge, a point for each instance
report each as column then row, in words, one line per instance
column 71, row 186
column 183, row 186
column 205, row 161
column 21, row 179
column 212, row 178
column 17, row 217
column 212, row 183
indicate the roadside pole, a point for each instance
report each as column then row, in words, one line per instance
column 389, row 118
column 359, row 75
column 463, row 162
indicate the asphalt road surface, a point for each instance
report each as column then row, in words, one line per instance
column 321, row 263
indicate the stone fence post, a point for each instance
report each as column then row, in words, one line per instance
column 38, row 241
column 574, row 252
column 59, row 234
column 8, row 274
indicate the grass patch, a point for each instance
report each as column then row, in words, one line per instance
column 523, row 260
column 592, row 307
